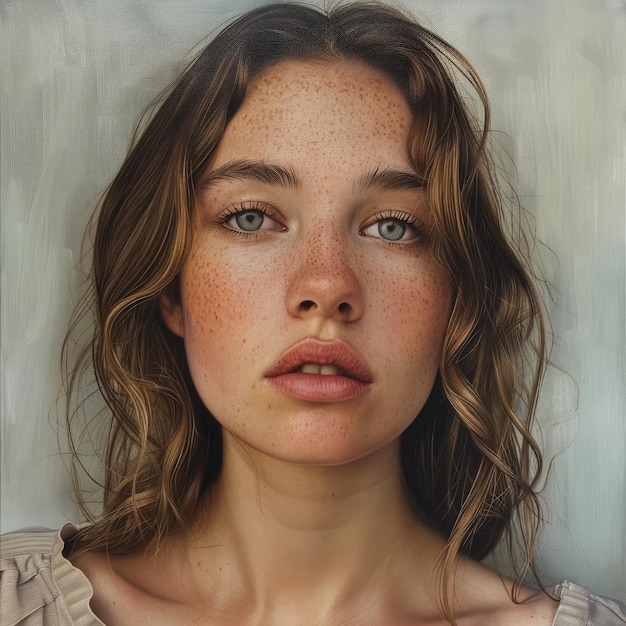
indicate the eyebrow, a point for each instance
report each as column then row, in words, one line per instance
column 384, row 179
column 390, row 180
column 252, row 170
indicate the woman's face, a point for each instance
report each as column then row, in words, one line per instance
column 311, row 308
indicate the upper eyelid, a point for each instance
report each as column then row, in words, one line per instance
column 247, row 205
column 420, row 229
column 267, row 210
column 402, row 216
column 271, row 211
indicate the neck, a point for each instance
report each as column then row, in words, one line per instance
column 322, row 533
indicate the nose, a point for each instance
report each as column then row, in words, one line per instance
column 324, row 284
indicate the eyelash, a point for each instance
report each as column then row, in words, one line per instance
column 410, row 220
column 244, row 207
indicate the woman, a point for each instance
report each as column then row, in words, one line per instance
column 313, row 335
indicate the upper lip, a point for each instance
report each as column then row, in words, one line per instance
column 337, row 352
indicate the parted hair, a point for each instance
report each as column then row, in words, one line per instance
column 469, row 458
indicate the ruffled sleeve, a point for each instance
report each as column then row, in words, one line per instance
column 38, row 585
column 579, row 607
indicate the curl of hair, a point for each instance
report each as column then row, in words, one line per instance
column 469, row 457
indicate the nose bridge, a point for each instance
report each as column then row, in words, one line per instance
column 325, row 250
column 325, row 280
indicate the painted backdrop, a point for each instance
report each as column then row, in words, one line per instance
column 74, row 76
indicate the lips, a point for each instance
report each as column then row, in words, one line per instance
column 320, row 371
column 323, row 353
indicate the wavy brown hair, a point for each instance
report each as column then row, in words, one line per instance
column 469, row 457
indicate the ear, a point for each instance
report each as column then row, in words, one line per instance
column 172, row 310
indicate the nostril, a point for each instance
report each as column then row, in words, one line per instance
column 307, row 305
column 344, row 308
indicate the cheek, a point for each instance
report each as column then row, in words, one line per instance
column 215, row 298
column 414, row 312
column 210, row 306
column 416, row 306
column 204, row 299
column 224, row 305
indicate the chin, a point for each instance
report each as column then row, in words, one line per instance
column 320, row 438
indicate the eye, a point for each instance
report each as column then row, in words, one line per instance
column 248, row 220
column 393, row 228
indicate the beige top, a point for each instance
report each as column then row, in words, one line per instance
column 40, row 587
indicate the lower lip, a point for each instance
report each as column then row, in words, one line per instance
column 318, row 388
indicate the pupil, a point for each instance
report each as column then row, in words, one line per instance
column 391, row 229
column 249, row 220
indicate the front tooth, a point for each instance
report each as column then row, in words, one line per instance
column 324, row 370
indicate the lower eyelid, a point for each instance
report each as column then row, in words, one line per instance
column 409, row 223
column 275, row 224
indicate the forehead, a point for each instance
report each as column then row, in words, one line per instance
column 331, row 105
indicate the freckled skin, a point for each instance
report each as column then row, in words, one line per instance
column 242, row 299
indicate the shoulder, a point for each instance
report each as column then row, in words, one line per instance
column 486, row 598
column 38, row 584
column 530, row 607
column 579, row 607
column 139, row 586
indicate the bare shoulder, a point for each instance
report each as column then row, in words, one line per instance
column 487, row 599
column 120, row 595
column 108, row 587
column 537, row 608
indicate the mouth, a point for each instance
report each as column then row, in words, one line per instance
column 321, row 371
column 322, row 358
